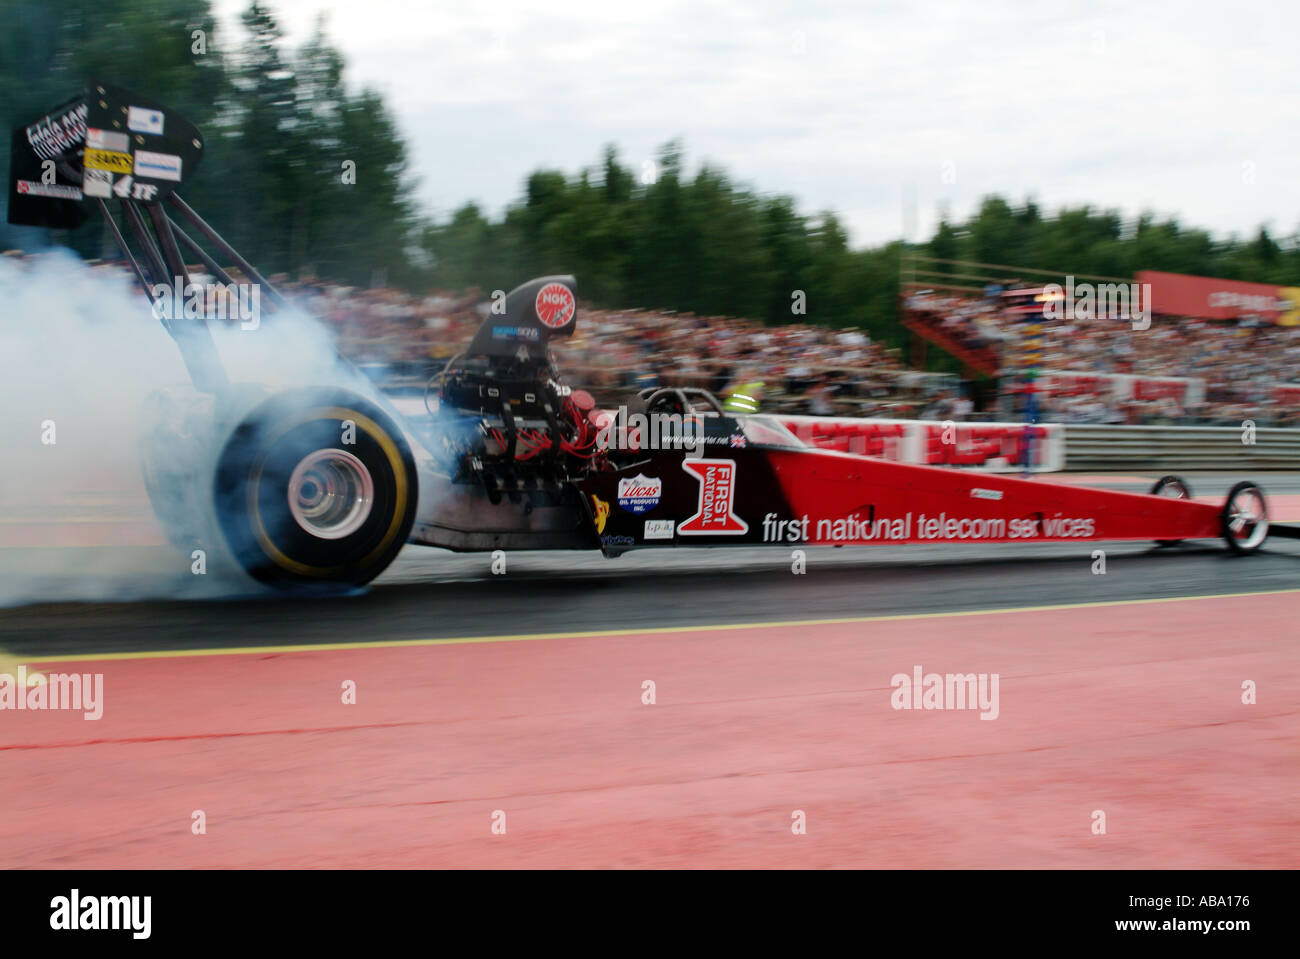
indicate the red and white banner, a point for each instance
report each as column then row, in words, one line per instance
column 1286, row 394
column 1068, row 383
column 1210, row 298
column 1119, row 387
column 992, row 447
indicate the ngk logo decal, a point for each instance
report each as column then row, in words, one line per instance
column 713, row 516
column 554, row 305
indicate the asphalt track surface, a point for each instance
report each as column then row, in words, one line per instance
column 523, row 695
column 434, row 594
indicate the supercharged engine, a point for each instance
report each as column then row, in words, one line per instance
column 510, row 439
column 509, row 424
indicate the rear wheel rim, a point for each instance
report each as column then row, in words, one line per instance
column 331, row 493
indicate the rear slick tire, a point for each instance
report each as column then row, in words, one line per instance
column 315, row 488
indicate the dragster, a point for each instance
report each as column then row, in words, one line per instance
column 320, row 487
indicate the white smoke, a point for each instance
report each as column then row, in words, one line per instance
column 81, row 354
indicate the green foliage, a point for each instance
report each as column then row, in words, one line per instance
column 708, row 246
column 690, row 243
column 279, row 126
column 1086, row 240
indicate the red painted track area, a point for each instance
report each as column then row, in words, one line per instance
column 1133, row 709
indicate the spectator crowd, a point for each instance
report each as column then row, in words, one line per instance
column 1239, row 363
column 401, row 339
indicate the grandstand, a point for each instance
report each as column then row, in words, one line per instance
column 1201, row 350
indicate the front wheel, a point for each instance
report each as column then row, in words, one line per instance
column 316, row 487
column 1244, row 518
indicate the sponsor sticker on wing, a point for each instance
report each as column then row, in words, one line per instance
column 97, row 183
column 53, row 135
column 554, row 305
column 713, row 515
column 158, row 166
column 143, row 120
column 639, row 494
column 978, row 493
column 98, row 139
column 126, row 189
column 53, row 191
column 114, row 161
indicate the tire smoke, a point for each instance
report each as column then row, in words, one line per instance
column 87, row 376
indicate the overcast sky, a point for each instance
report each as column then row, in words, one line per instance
column 867, row 108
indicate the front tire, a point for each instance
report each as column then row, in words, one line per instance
column 1244, row 518
column 316, row 488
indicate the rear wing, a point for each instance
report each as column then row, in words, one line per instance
column 111, row 147
column 109, row 143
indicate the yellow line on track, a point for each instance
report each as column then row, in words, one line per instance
column 588, row 634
